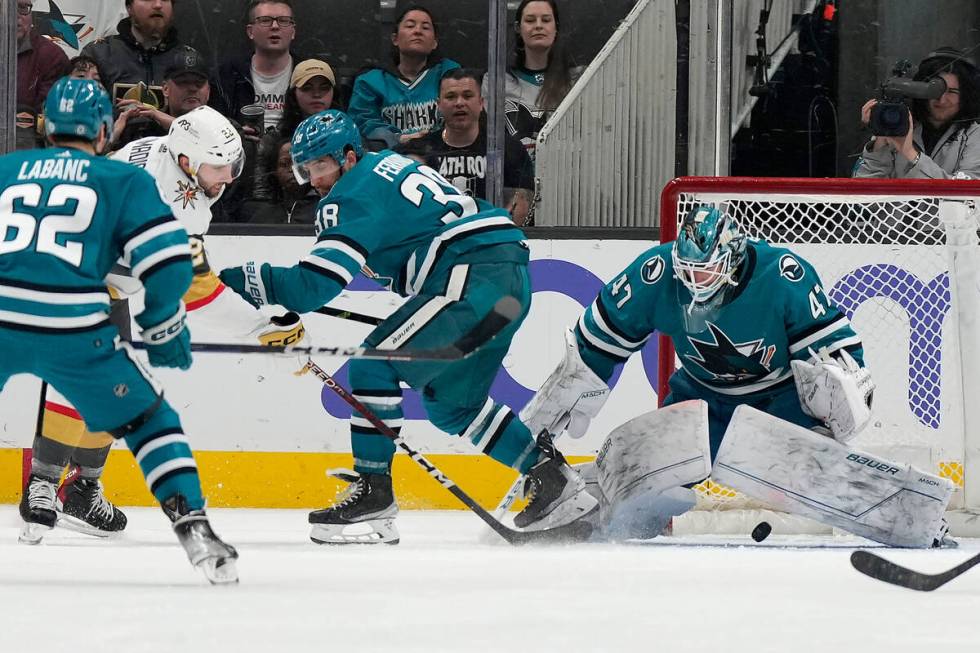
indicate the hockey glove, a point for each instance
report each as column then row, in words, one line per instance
column 251, row 281
column 836, row 391
column 168, row 344
column 284, row 331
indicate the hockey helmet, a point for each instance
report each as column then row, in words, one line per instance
column 709, row 248
column 328, row 133
column 205, row 136
column 77, row 107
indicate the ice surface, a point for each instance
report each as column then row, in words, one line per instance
column 439, row 590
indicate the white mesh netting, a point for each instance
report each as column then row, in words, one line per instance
column 883, row 261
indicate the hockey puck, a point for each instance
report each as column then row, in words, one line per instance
column 761, row 531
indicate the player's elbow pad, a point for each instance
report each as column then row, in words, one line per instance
column 164, row 289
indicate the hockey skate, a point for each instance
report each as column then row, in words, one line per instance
column 85, row 509
column 37, row 508
column 205, row 550
column 943, row 539
column 556, row 493
column 364, row 512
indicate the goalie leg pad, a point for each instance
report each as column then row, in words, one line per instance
column 644, row 463
column 798, row 471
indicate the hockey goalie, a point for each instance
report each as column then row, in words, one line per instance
column 770, row 390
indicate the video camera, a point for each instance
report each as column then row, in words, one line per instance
column 890, row 116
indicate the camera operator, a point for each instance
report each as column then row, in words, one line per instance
column 943, row 138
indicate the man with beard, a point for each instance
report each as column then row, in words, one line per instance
column 192, row 165
column 185, row 88
column 143, row 49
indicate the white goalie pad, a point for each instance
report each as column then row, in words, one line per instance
column 798, row 471
column 835, row 390
column 569, row 398
column 643, row 464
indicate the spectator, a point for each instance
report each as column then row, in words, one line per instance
column 392, row 105
column 459, row 151
column 83, row 67
column 143, row 49
column 311, row 90
column 185, row 87
column 540, row 73
column 262, row 77
column 943, row 140
column 39, row 62
column 287, row 201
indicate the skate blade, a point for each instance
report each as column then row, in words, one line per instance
column 370, row 532
column 579, row 505
column 74, row 524
column 219, row 571
column 32, row 533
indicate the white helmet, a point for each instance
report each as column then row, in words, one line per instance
column 205, row 136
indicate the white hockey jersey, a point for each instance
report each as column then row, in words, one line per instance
column 185, row 198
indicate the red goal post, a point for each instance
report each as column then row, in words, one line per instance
column 900, row 257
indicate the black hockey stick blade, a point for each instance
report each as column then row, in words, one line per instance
column 352, row 316
column 505, row 311
column 577, row 531
column 878, row 568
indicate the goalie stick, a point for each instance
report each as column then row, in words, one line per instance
column 503, row 313
column 878, row 568
column 574, row 532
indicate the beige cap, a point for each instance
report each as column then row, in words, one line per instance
column 310, row 68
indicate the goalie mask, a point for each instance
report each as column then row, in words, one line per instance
column 707, row 252
column 206, row 137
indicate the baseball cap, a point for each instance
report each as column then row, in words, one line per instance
column 307, row 70
column 186, row 60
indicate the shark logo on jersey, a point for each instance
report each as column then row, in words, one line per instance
column 790, row 268
column 186, row 193
column 652, row 270
column 730, row 362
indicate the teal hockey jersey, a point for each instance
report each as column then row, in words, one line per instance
column 65, row 218
column 778, row 312
column 400, row 221
column 384, row 105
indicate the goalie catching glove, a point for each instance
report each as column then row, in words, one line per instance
column 569, row 398
column 836, row 391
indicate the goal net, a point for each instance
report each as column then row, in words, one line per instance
column 899, row 258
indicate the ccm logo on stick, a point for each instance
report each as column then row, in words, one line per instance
column 872, row 463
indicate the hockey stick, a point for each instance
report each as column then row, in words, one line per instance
column 574, row 532
column 503, row 313
column 353, row 316
column 878, row 568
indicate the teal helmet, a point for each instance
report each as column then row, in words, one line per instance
column 328, row 133
column 709, row 248
column 77, row 108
